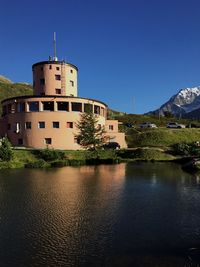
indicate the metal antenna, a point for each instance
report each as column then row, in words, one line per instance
column 54, row 46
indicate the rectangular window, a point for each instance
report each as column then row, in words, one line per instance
column 42, row 81
column 28, row 125
column 4, row 110
column 57, row 77
column 71, row 71
column 97, row 109
column 20, row 107
column 111, row 127
column 56, row 124
column 50, row 67
column 33, row 106
column 76, row 106
column 20, row 141
column 69, row 124
column 64, row 106
column 48, row 106
column 57, row 68
column 17, row 127
column 41, row 124
column 88, row 108
column 8, row 126
column 41, row 68
column 47, row 141
column 72, row 83
column 58, row 91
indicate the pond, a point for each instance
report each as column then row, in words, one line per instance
column 135, row 214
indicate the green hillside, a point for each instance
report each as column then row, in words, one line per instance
column 9, row 89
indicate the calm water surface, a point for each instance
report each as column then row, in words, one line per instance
column 141, row 214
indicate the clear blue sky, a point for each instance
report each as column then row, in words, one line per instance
column 131, row 54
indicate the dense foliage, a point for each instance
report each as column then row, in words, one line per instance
column 6, row 153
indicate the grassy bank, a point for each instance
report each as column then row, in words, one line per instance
column 54, row 158
column 162, row 137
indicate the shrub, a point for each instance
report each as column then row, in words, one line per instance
column 6, row 153
column 50, row 154
column 37, row 164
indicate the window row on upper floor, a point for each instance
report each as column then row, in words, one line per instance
column 36, row 106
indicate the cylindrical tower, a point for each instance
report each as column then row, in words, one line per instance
column 55, row 78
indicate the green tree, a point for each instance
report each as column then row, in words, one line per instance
column 91, row 134
column 6, row 153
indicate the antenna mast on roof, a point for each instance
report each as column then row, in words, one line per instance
column 54, row 46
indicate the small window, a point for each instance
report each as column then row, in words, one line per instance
column 20, row 107
column 8, row 126
column 41, row 68
column 64, row 106
column 42, row 81
column 111, row 127
column 17, row 127
column 56, row 124
column 47, row 141
column 76, row 140
column 97, row 109
column 88, row 107
column 28, row 125
column 48, row 106
column 57, row 77
column 71, row 71
column 72, row 83
column 57, row 68
column 20, row 141
column 69, row 124
column 50, row 67
column 76, row 106
column 33, row 106
column 58, row 91
column 41, row 124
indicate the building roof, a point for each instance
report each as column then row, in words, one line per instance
column 51, row 96
column 54, row 62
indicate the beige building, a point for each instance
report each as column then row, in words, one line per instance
column 49, row 116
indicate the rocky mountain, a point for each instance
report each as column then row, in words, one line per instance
column 185, row 103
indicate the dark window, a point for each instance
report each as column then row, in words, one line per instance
column 76, row 106
column 9, row 108
column 48, row 106
column 4, row 110
column 56, row 124
column 69, row 124
column 41, row 124
column 8, row 126
column 41, row 68
column 28, row 125
column 50, row 67
column 72, row 83
column 57, row 77
column 96, row 109
column 87, row 107
column 20, row 107
column 111, row 127
column 57, row 68
column 20, row 141
column 63, row 106
column 33, row 106
column 71, row 71
column 47, row 141
column 58, row 91
column 42, row 81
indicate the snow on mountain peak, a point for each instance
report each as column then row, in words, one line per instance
column 188, row 92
